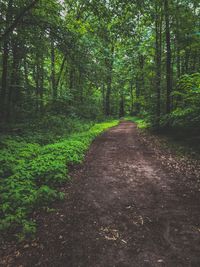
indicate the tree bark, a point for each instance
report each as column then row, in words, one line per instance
column 158, row 26
column 137, row 94
column 168, row 58
column 177, row 40
column 121, row 106
column 53, row 79
column 109, row 64
column 5, row 57
column 108, row 93
column 13, row 89
column 60, row 72
column 131, row 96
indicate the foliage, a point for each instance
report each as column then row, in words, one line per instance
column 93, row 58
column 141, row 123
column 187, row 101
column 31, row 175
column 65, row 64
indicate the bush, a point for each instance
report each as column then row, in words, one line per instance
column 186, row 102
column 31, row 175
column 141, row 123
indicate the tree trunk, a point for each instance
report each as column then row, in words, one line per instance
column 137, row 94
column 60, row 72
column 139, row 84
column 37, row 77
column 108, row 93
column 158, row 26
column 187, row 58
column 121, row 106
column 131, row 96
column 109, row 64
column 26, row 80
column 168, row 58
column 53, row 79
column 13, row 90
column 4, row 78
column 5, row 57
column 103, row 98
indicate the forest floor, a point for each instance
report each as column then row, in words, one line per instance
column 131, row 203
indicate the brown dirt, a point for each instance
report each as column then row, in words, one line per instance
column 123, row 208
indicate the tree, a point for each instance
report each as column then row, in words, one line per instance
column 168, row 57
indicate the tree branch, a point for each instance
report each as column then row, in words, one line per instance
column 18, row 19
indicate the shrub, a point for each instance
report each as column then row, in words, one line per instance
column 31, row 175
column 186, row 101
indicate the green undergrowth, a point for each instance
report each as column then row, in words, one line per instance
column 141, row 123
column 31, row 175
column 45, row 130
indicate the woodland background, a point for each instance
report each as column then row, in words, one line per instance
column 66, row 65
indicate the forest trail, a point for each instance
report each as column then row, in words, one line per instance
column 122, row 209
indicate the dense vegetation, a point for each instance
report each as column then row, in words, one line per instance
column 31, row 173
column 66, row 64
column 95, row 58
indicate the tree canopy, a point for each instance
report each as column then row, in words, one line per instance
column 92, row 59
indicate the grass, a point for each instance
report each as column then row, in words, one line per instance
column 31, row 173
column 141, row 123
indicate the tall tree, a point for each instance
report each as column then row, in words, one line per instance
column 158, row 56
column 168, row 57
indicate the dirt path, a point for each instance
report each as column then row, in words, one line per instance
column 123, row 209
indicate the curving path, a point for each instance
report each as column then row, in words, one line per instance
column 123, row 209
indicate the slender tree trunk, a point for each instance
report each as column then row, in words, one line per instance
column 4, row 78
column 187, row 58
column 53, row 79
column 177, row 41
column 137, row 94
column 41, row 83
column 71, row 78
column 194, row 61
column 26, row 80
column 108, row 93
column 182, row 65
column 80, row 85
column 121, row 106
column 141, row 63
column 168, row 58
column 139, row 84
column 13, row 89
column 5, row 57
column 158, row 26
column 60, row 72
column 109, row 65
column 131, row 96
column 103, row 98
column 178, row 61
column 37, row 78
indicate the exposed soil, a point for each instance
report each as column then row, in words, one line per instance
column 123, row 208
